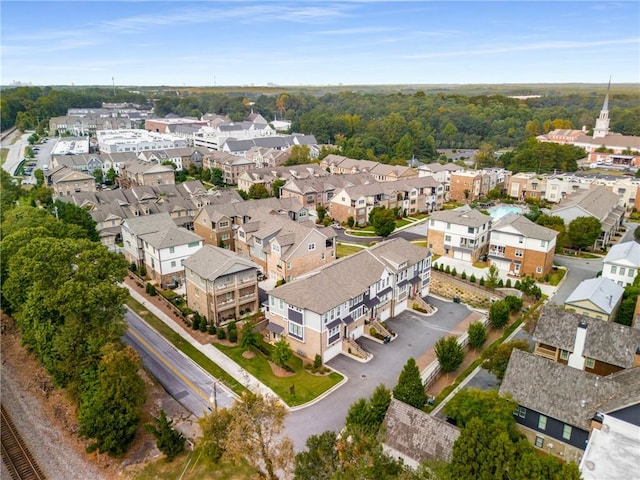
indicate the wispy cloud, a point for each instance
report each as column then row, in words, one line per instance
column 522, row 48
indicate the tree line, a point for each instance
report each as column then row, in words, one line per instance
column 61, row 286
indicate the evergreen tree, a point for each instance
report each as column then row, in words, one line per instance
column 449, row 353
column 168, row 440
column 409, row 388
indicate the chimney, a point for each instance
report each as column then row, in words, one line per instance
column 576, row 359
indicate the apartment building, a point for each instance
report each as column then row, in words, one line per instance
column 465, row 186
column 139, row 173
column 527, row 185
column 266, row 176
column 358, row 201
column 121, row 141
column 622, row 263
column 519, row 246
column 66, row 182
column 462, row 233
column 232, row 166
column 318, row 191
column 221, row 285
column 323, row 313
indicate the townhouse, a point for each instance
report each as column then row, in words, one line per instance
column 519, row 246
column 318, row 191
column 66, row 182
column 267, row 157
column 232, row 166
column 562, row 185
column 285, row 249
column 527, row 185
column 180, row 157
column 324, row 312
column 90, row 162
column 599, row 203
column 622, row 263
column 266, row 176
column 596, row 297
column 138, row 172
column 221, row 285
column 557, row 404
column 441, row 173
column 339, row 165
column 462, row 233
column 593, row 345
column 465, row 186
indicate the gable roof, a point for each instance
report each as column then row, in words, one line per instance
column 567, row 394
column 417, row 435
column 172, row 237
column 597, row 201
column 149, row 223
column 525, row 226
column 211, row 262
column 626, row 254
column 461, row 216
column 602, row 292
column 348, row 277
column 607, row 342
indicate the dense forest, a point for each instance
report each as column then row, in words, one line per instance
column 389, row 127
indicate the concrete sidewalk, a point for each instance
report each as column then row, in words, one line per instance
column 215, row 355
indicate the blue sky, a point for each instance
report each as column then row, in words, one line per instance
column 318, row 43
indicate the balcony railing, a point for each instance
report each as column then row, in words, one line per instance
column 546, row 352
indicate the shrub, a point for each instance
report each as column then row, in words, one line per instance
column 477, row 335
column 508, row 284
column 515, row 303
column 447, row 269
column 454, row 272
column 499, row 314
column 517, row 285
column 232, row 333
column 472, row 278
column 280, row 282
column 151, row 289
column 195, row 323
column 481, row 282
column 203, row 325
column 463, row 276
column 500, row 283
column 222, row 334
column 450, row 353
column 212, row 329
column 317, row 362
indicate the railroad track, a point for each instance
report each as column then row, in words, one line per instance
column 15, row 453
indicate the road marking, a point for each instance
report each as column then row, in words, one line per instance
column 171, row 367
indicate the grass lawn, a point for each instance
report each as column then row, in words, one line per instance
column 421, row 243
column 362, row 233
column 420, row 216
column 307, row 385
column 481, row 264
column 192, row 466
column 3, row 155
column 556, row 277
column 363, row 229
column 185, row 347
column 346, row 250
column 402, row 223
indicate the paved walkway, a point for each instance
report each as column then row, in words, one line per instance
column 215, row 355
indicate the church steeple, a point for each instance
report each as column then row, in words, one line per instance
column 601, row 129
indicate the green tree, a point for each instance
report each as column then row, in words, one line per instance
column 111, row 176
column 39, row 176
column 584, row 231
column 477, row 335
column 98, row 175
column 299, row 155
column 383, row 222
column 487, row 405
column 257, row 191
column 359, row 416
column 379, row 404
column 499, row 313
column 496, row 360
column 322, row 212
column 449, row 353
column 493, row 277
column 409, row 388
column 168, row 440
column 320, row 460
column 249, row 336
column 214, row 428
column 281, row 352
column 636, row 232
column 255, row 434
column 216, row 177
column 275, row 187
column 628, row 304
column 71, row 213
column 486, row 156
column 111, row 406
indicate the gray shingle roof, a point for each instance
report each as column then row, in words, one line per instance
column 348, row 277
column 567, row 394
column 605, row 341
column 626, row 254
column 212, row 262
column 603, row 292
column 150, row 223
column 525, row 226
column 462, row 216
column 418, row 435
column 172, row 237
column 597, row 201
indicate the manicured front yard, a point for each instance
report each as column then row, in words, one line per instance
column 306, row 385
column 346, row 250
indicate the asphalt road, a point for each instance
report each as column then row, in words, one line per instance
column 16, row 154
column 579, row 269
column 417, row 232
column 179, row 375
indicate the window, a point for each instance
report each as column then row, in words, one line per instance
column 542, row 422
column 564, row 354
column 590, row 362
column 447, row 238
column 622, row 271
column 521, row 239
column 448, row 226
column 521, row 412
column 614, row 269
column 296, row 330
column 275, row 247
column 311, row 247
column 471, row 230
column 631, row 273
column 566, row 432
column 519, row 253
column 543, row 243
column 173, row 263
column 225, row 236
column 223, row 224
column 193, row 244
column 539, row 441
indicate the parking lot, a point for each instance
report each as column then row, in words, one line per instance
column 416, row 334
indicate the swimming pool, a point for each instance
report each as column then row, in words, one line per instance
column 502, row 210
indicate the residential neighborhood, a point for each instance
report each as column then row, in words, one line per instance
column 282, row 283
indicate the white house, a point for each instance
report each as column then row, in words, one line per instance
column 622, row 263
column 462, row 233
column 133, row 228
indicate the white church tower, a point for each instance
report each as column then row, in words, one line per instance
column 601, row 129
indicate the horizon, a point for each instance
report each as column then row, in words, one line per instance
column 335, row 43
